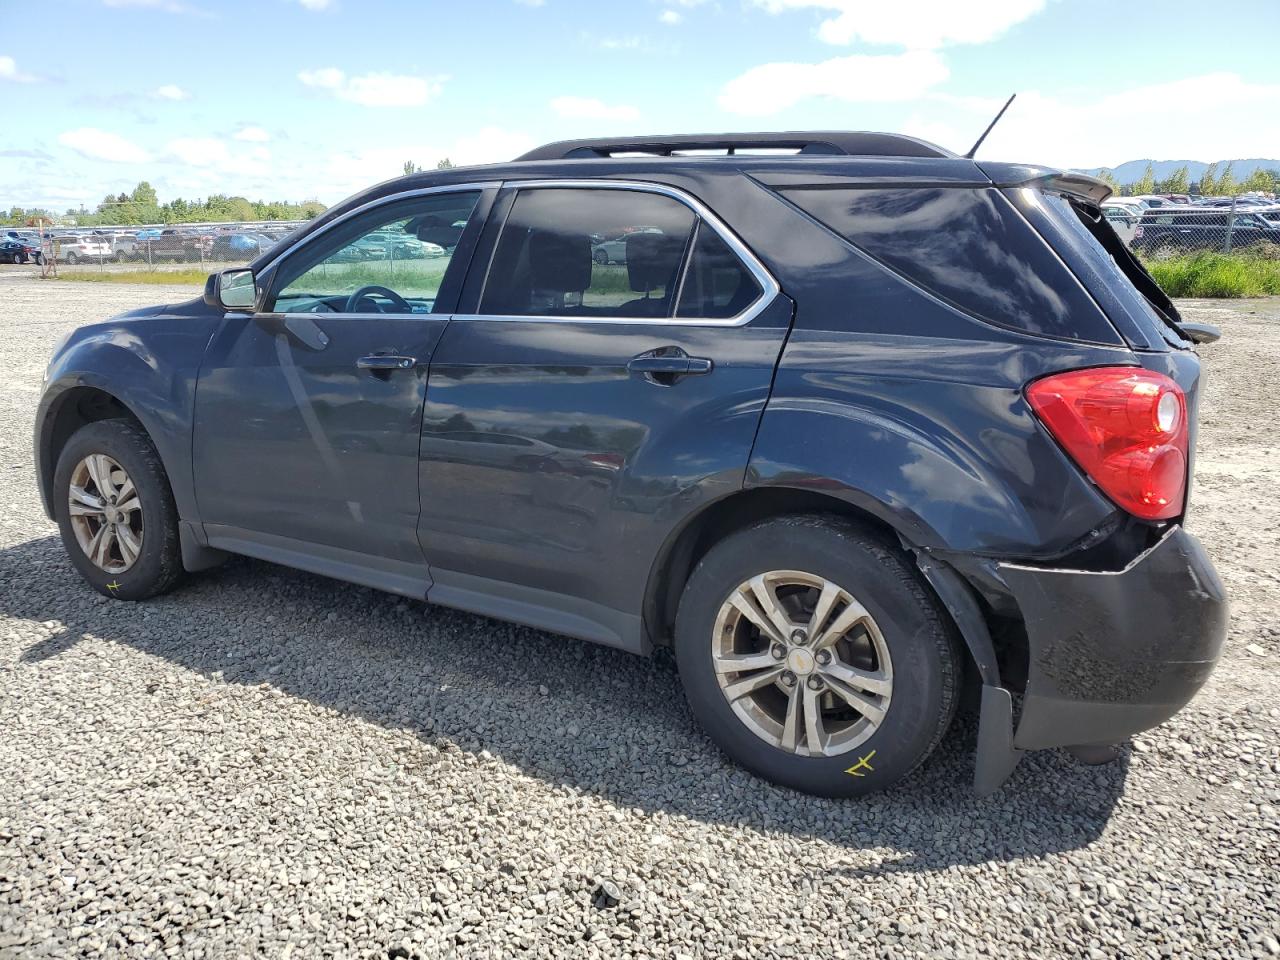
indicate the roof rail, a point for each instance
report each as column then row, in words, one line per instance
column 848, row 143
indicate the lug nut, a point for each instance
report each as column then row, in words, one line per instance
column 799, row 636
column 815, row 683
column 823, row 657
column 789, row 679
column 778, row 651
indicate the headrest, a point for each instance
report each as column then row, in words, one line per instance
column 434, row 229
column 652, row 260
column 559, row 262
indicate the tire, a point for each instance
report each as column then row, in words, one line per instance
column 907, row 637
column 601, row 257
column 157, row 565
column 72, row 259
column 39, row 259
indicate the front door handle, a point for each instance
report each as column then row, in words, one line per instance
column 384, row 361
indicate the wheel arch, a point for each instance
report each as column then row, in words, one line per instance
column 687, row 545
column 62, row 415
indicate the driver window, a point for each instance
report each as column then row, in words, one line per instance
column 391, row 260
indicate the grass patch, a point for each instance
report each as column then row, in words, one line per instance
column 192, row 277
column 1217, row 275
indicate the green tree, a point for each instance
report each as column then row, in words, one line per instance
column 1209, row 180
column 411, row 167
column 144, row 193
column 445, row 164
column 1227, row 185
column 1148, row 182
column 1260, row 181
column 1109, row 178
column 1176, row 182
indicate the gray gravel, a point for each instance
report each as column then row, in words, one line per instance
column 270, row 763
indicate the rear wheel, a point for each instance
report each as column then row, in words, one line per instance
column 72, row 258
column 115, row 511
column 813, row 655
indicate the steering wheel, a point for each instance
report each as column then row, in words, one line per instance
column 399, row 302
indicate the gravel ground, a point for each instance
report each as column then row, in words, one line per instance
column 270, row 763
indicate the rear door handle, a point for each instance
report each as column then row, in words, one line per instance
column 669, row 365
column 382, row 361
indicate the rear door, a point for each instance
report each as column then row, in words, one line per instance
column 582, row 410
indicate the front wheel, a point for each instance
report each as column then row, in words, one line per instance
column 72, row 259
column 812, row 654
column 115, row 511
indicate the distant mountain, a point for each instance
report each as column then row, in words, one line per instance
column 1131, row 171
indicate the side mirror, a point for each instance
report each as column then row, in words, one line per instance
column 235, row 289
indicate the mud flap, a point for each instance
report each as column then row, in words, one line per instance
column 997, row 756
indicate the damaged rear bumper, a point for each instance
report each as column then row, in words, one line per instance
column 1115, row 653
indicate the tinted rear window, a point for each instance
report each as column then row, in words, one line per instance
column 716, row 285
column 966, row 246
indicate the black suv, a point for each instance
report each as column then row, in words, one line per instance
column 851, row 424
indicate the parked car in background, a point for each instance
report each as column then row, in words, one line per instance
column 1123, row 218
column 614, row 250
column 1165, row 233
column 820, row 434
column 239, row 246
column 72, row 249
column 124, row 246
column 20, row 251
column 179, row 244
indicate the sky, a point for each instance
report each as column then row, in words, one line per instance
column 317, row 99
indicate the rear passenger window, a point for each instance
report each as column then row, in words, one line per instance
column 969, row 247
column 717, row 285
column 588, row 253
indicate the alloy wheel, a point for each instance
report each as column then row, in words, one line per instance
column 105, row 513
column 802, row 663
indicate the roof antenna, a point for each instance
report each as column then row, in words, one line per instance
column 974, row 148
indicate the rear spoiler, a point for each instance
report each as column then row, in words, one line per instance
column 1081, row 185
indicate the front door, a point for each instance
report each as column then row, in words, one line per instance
column 591, row 403
column 309, row 412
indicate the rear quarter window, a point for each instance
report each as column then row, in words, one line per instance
column 968, row 247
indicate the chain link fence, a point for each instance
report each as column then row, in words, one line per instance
column 179, row 250
column 1248, row 226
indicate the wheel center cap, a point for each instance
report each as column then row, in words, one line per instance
column 800, row 661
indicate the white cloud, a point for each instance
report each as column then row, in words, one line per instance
column 168, row 6
column 919, row 24
column 374, row 89
column 589, row 108
column 102, row 145
column 532, row 3
column 772, row 87
column 1208, row 117
column 214, row 154
column 252, row 135
column 670, row 17
column 316, row 4
column 170, row 91
column 9, row 71
column 327, row 78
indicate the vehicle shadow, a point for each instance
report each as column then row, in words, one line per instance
column 567, row 712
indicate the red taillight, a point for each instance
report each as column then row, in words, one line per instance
column 1126, row 428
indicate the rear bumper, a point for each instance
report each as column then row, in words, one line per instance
column 1112, row 654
